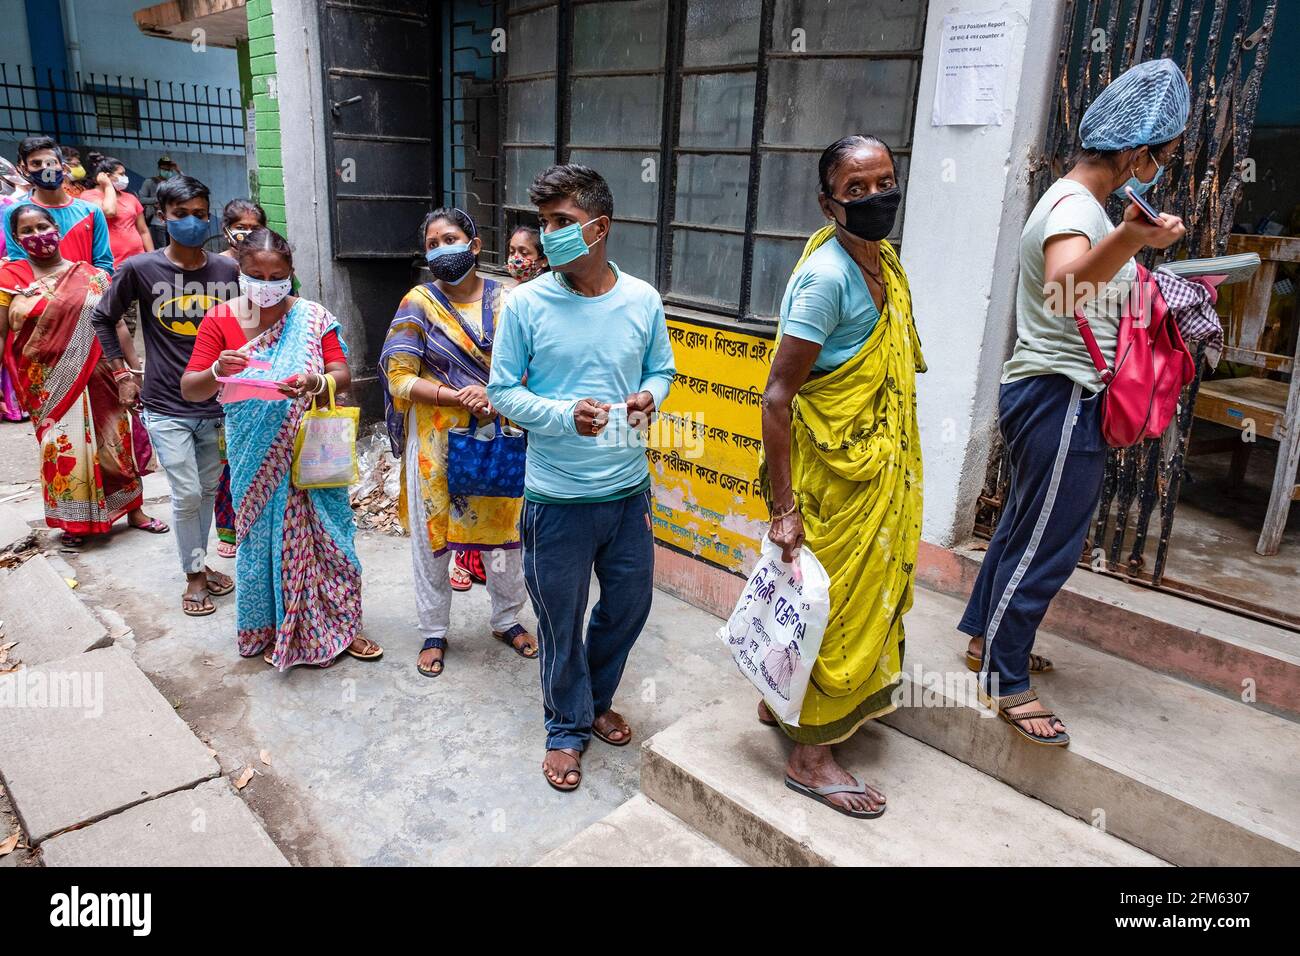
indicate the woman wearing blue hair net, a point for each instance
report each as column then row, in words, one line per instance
column 1048, row 408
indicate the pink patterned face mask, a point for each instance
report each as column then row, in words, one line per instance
column 523, row 269
column 40, row 245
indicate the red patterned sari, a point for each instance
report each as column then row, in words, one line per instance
column 89, row 473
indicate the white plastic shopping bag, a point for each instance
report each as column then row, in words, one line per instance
column 776, row 630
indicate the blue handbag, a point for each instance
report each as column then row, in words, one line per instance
column 486, row 460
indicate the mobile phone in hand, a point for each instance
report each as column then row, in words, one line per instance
column 1144, row 207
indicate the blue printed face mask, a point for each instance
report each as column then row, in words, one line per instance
column 565, row 245
column 190, row 231
column 1137, row 185
column 451, row 264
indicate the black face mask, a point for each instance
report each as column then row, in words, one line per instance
column 871, row 217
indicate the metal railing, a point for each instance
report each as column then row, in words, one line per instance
column 120, row 111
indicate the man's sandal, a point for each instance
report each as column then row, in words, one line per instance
column 619, row 725
column 200, row 611
column 507, row 637
column 1038, row 664
column 434, row 669
column 821, row 793
column 373, row 654
column 1062, row 739
column 217, row 590
column 564, row 786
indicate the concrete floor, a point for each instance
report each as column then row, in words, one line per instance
column 373, row 763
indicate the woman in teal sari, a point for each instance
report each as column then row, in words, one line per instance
column 298, row 580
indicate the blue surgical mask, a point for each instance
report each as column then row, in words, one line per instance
column 451, row 264
column 565, row 245
column 1137, row 185
column 190, row 231
column 51, row 177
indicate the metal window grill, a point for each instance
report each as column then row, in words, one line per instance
column 121, row 111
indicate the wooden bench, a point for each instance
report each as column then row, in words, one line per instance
column 1270, row 406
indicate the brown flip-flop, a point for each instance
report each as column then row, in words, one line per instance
column 202, row 611
column 1038, row 664
column 374, row 655
column 576, row 768
column 627, row 739
column 1000, row 704
column 217, row 590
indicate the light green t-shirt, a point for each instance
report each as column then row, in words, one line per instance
column 1049, row 344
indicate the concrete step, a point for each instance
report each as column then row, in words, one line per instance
column 1161, row 631
column 639, row 833
column 45, row 616
column 1183, row 772
column 208, row 825
column 14, row 531
column 722, row 773
column 88, row 736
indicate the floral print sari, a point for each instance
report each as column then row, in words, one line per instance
column 90, row 474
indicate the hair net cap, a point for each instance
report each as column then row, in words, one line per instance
column 1144, row 105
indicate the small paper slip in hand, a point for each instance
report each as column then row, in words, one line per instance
column 236, row 388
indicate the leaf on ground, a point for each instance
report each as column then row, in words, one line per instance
column 7, row 845
column 242, row 780
column 71, row 582
column 266, row 757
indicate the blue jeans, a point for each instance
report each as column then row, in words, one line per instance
column 1052, row 431
column 562, row 545
column 190, row 453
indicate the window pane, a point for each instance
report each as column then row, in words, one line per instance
column 787, row 195
column 521, row 166
column 788, row 188
column 530, row 112
column 711, row 190
column 717, row 110
column 706, row 265
column 623, row 172
column 850, row 96
column 774, row 260
column 721, row 33
column 530, row 43
column 850, row 24
column 627, row 36
column 616, row 109
column 632, row 247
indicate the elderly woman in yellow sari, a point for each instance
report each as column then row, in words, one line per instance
column 842, row 461
column 435, row 364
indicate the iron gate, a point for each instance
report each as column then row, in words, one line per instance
column 1223, row 59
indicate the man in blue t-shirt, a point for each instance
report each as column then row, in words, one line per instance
column 587, row 339
column 82, row 226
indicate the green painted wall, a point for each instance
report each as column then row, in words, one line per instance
column 267, row 181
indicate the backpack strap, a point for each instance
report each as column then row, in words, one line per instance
column 1085, row 330
column 1094, row 350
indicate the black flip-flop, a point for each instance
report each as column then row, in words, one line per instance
column 434, row 644
column 821, row 793
column 507, row 637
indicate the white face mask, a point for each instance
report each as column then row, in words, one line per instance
column 264, row 293
column 120, row 183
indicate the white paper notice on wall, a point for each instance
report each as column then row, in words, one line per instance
column 974, row 56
